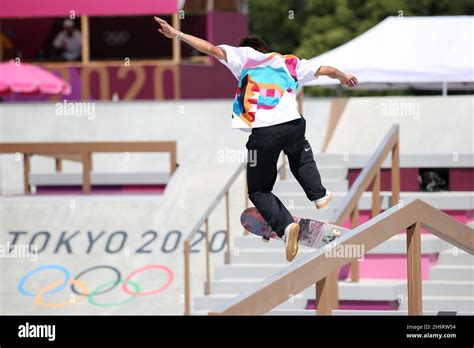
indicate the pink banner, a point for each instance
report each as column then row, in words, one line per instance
column 61, row 8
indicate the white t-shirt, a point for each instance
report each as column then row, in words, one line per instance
column 71, row 44
column 266, row 93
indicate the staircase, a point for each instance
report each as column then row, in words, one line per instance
column 450, row 286
column 451, row 283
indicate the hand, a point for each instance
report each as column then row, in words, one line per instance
column 348, row 80
column 166, row 29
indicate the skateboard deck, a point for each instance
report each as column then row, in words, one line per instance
column 313, row 233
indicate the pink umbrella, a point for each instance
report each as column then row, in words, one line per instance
column 30, row 79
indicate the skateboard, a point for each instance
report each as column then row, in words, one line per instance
column 313, row 233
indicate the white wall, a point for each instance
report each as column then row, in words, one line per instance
column 428, row 125
column 201, row 129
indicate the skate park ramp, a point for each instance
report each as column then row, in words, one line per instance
column 97, row 237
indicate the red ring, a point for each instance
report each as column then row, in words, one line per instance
column 153, row 292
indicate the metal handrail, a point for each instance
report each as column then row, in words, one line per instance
column 349, row 207
column 370, row 175
column 318, row 266
column 82, row 152
column 204, row 220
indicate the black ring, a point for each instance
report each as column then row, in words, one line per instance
column 117, row 272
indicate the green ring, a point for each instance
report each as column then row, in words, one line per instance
column 90, row 298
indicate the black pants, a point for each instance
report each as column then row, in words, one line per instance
column 264, row 147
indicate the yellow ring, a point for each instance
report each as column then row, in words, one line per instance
column 39, row 295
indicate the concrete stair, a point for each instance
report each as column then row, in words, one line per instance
column 366, row 290
column 311, row 312
column 445, row 303
column 252, row 246
column 454, row 256
column 452, row 272
column 353, row 312
column 326, row 171
column 439, row 200
column 333, row 185
column 450, row 287
column 237, row 271
column 207, row 303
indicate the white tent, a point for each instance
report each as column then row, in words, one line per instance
column 408, row 52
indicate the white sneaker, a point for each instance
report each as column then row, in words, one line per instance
column 322, row 202
column 292, row 232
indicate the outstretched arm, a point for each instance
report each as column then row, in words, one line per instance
column 346, row 79
column 199, row 44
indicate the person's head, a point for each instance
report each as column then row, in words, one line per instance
column 68, row 26
column 255, row 42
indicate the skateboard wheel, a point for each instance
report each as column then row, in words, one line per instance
column 336, row 232
column 265, row 239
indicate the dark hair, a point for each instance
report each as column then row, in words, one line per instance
column 255, row 42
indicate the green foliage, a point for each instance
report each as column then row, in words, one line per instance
column 270, row 19
column 321, row 25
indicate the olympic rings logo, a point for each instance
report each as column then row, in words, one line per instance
column 81, row 291
column 116, row 37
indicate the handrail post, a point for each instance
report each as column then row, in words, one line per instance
column 323, row 297
column 414, row 270
column 355, row 263
column 376, row 195
column 85, row 39
column 26, row 172
column 187, row 279
column 334, row 281
column 283, row 167
column 246, row 196
column 395, row 173
column 207, row 287
column 300, row 97
column 228, row 259
column 173, row 160
column 58, row 164
column 86, row 172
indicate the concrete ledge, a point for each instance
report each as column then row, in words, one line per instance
column 60, row 179
column 441, row 160
column 459, row 200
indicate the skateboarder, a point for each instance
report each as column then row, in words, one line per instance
column 265, row 104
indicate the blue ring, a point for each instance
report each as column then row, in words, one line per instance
column 67, row 276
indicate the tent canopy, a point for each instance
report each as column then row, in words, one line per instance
column 408, row 52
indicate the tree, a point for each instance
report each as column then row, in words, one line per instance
column 278, row 22
column 309, row 28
